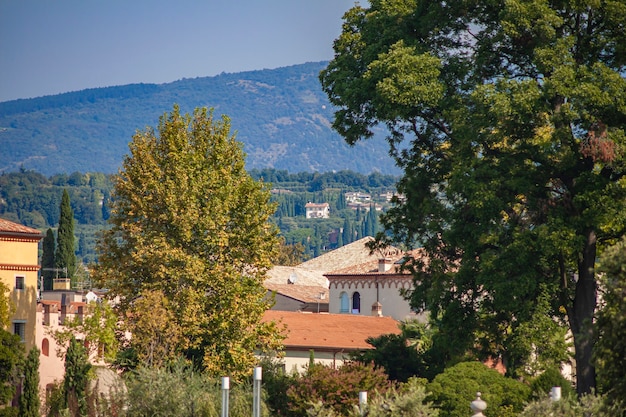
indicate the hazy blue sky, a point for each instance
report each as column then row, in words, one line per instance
column 55, row 46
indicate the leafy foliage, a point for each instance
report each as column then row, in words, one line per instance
column 178, row 390
column 454, row 389
column 611, row 347
column 508, row 119
column 551, row 377
column 47, row 260
column 187, row 220
column 29, row 400
column 405, row 355
column 407, row 400
column 156, row 337
column 76, row 378
column 589, row 405
column 65, row 256
column 335, row 388
column 11, row 357
column 98, row 325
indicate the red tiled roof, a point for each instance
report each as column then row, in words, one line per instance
column 8, row 227
column 304, row 293
column 334, row 332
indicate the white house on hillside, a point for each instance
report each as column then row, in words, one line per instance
column 317, row 211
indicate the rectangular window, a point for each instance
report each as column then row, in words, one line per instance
column 19, row 328
column 19, row 283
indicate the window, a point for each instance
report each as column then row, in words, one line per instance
column 45, row 347
column 19, row 328
column 19, row 283
column 345, row 305
column 356, row 303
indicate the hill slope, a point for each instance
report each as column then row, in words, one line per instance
column 281, row 115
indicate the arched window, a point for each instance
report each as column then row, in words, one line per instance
column 45, row 347
column 345, row 303
column 356, row 303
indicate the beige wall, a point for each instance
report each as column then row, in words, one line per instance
column 19, row 257
column 298, row 360
column 388, row 295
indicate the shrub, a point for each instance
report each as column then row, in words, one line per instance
column 551, row 377
column 589, row 405
column 179, row 390
column 454, row 389
column 337, row 389
column 408, row 400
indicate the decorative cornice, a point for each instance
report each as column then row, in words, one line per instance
column 15, row 238
column 13, row 267
column 363, row 281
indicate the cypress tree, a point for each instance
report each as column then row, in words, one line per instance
column 47, row 260
column 65, row 256
column 77, row 369
column 29, row 400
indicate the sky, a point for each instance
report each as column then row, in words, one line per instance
column 56, row 46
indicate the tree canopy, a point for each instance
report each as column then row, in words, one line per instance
column 188, row 221
column 507, row 118
column 65, row 256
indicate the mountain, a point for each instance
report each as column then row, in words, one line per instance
column 282, row 117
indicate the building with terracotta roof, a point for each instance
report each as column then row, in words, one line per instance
column 354, row 253
column 330, row 337
column 19, row 266
column 373, row 287
column 297, row 289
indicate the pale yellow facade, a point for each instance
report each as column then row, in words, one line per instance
column 19, row 268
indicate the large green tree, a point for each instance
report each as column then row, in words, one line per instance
column 507, row 117
column 187, row 220
column 65, row 256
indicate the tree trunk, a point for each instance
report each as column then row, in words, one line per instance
column 581, row 314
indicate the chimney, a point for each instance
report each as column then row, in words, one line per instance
column 377, row 309
column 384, row 264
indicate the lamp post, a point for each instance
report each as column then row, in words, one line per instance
column 256, row 391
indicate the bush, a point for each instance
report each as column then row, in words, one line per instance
column 276, row 382
column 180, row 391
column 589, row 405
column 454, row 389
column 408, row 400
column 551, row 377
column 337, row 389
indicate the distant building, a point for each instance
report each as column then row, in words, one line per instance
column 357, row 197
column 317, row 211
column 19, row 268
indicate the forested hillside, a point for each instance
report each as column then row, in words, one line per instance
column 32, row 199
column 282, row 117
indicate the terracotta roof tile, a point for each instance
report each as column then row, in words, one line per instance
column 304, row 293
column 351, row 254
column 285, row 274
column 330, row 331
column 7, row 226
column 371, row 266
